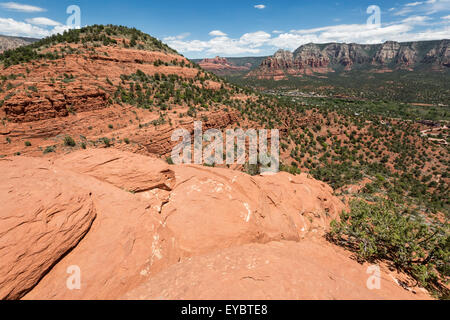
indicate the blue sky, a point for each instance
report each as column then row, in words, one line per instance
column 199, row 28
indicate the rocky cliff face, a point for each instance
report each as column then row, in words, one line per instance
column 319, row 59
column 439, row 55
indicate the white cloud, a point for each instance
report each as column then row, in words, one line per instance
column 261, row 42
column 434, row 6
column 41, row 21
column 427, row 7
column 255, row 39
column 14, row 6
column 260, row 6
column 217, row 33
column 248, row 43
column 413, row 4
column 340, row 33
column 11, row 27
column 60, row 29
column 419, row 25
column 416, row 20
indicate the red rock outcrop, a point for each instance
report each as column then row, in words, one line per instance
column 307, row 59
column 77, row 82
column 234, row 208
column 257, row 236
column 119, row 243
column 52, row 104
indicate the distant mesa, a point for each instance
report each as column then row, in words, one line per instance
column 230, row 66
column 222, row 65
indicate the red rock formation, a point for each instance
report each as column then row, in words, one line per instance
column 40, row 98
column 308, row 59
column 314, row 59
column 262, row 235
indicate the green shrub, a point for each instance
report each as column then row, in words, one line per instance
column 49, row 149
column 107, row 142
column 252, row 169
column 33, row 88
column 69, row 142
column 27, row 144
column 386, row 232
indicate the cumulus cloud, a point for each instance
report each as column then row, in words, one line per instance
column 11, row 27
column 255, row 39
column 248, row 43
column 413, row 28
column 260, row 6
column 14, row 6
column 41, row 21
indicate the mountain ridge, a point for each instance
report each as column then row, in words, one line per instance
column 9, row 42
